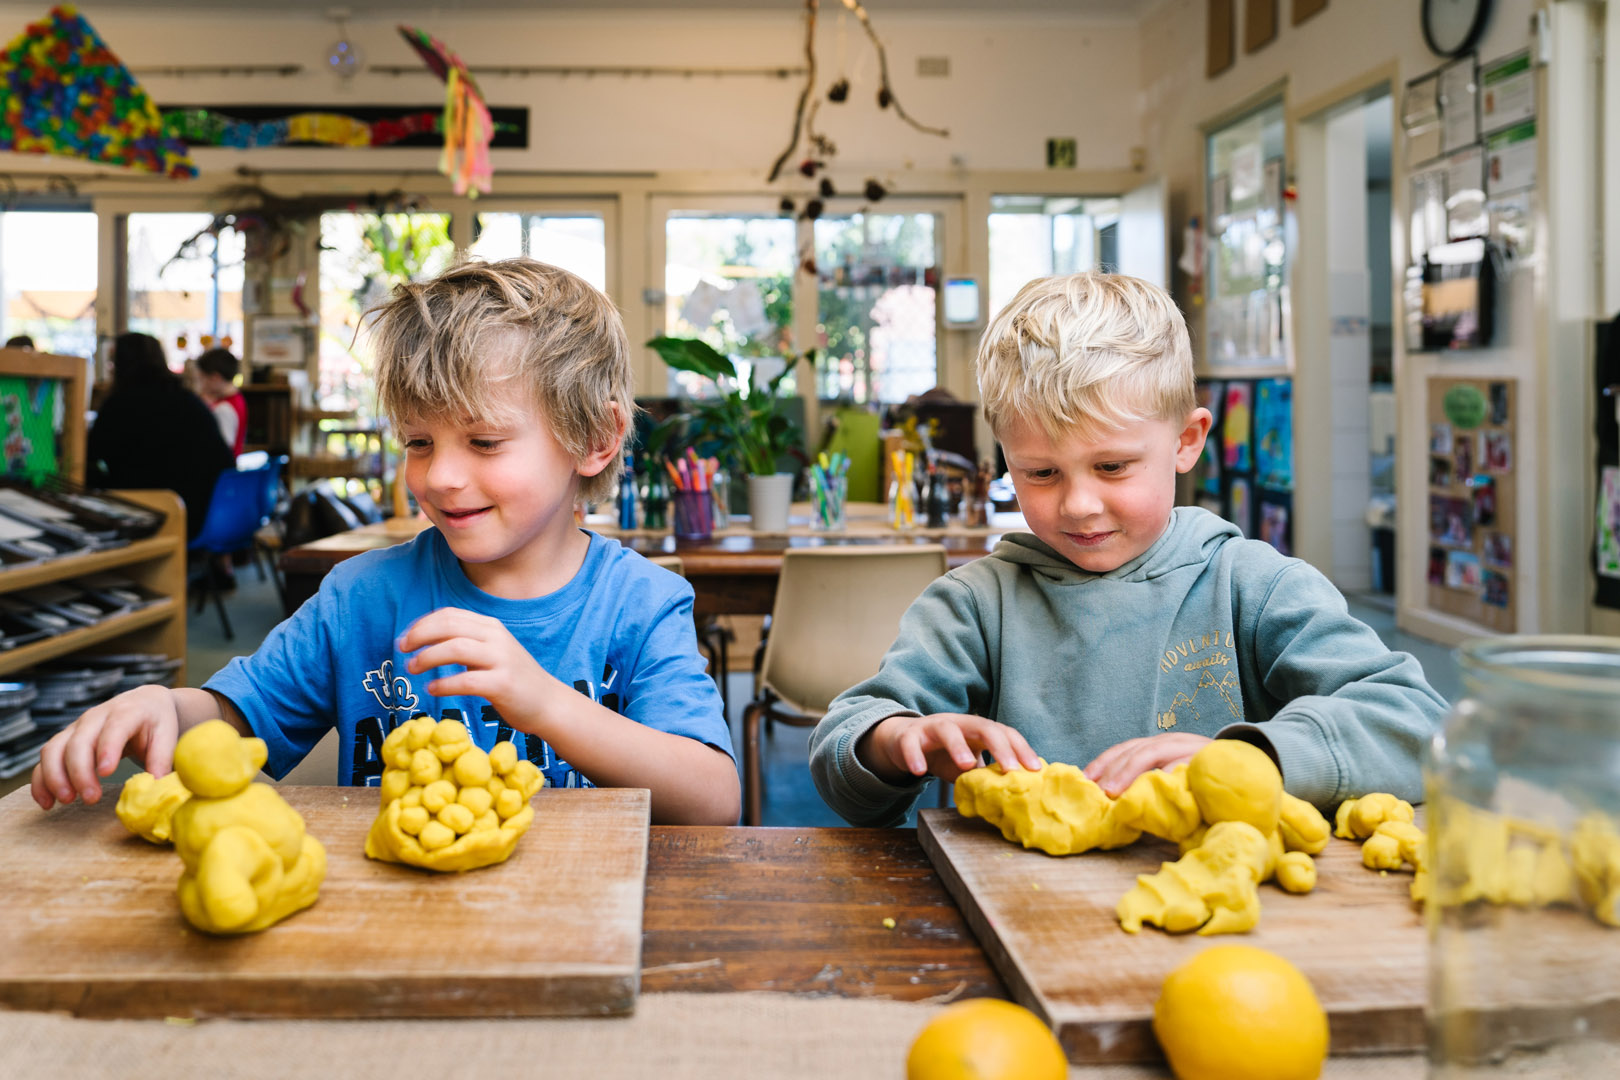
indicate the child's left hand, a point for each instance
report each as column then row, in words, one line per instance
column 1116, row 767
column 499, row 669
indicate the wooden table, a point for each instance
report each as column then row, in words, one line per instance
column 734, row 572
column 801, row 911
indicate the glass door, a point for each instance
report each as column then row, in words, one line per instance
column 572, row 234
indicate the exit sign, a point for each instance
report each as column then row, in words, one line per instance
column 1060, row 154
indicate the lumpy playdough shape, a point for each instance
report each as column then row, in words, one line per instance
column 248, row 861
column 446, row 804
column 147, row 804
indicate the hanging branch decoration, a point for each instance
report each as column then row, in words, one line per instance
column 886, row 96
column 804, row 116
column 468, row 126
column 63, row 92
column 811, row 8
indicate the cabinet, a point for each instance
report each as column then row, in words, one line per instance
column 157, row 563
column 278, row 422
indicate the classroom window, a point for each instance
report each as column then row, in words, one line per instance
column 1033, row 236
column 575, row 242
column 48, row 279
column 877, row 284
column 363, row 256
column 728, row 278
column 1246, row 285
column 185, row 283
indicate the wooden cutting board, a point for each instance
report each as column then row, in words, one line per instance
column 1048, row 925
column 89, row 922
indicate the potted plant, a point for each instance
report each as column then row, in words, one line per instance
column 744, row 421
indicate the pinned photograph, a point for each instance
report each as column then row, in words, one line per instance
column 1462, row 570
column 1439, row 471
column 1484, row 493
column 1437, row 566
column 1499, row 403
column 1274, row 526
column 1451, row 521
column 1496, row 589
column 1498, row 550
column 1439, row 438
column 1498, row 452
column 1465, row 456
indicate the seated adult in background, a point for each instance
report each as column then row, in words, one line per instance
column 216, row 382
column 20, row 341
column 151, row 432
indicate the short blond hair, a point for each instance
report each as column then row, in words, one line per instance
column 1086, row 354
column 446, row 347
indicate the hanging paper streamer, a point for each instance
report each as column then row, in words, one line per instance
column 468, row 126
column 65, row 93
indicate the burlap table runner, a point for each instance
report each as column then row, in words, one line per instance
column 670, row 1036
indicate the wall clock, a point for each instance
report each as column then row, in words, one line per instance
column 1453, row 27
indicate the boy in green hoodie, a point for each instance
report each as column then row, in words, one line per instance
column 1126, row 632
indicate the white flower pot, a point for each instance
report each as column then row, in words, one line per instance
column 768, row 500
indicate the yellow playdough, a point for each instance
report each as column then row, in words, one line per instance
column 248, row 861
column 147, row 804
column 1058, row 810
column 446, row 804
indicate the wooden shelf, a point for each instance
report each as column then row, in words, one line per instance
column 325, row 467
column 76, row 640
column 70, row 566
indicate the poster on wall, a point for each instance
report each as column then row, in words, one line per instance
column 1459, row 105
column 1273, row 434
column 1510, row 160
column 1507, row 92
column 1420, row 119
column 1236, row 430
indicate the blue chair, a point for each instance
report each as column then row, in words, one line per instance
column 235, row 514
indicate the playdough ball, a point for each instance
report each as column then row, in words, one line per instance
column 503, row 757
column 478, row 800
column 413, row 819
column 986, row 1039
column 450, row 740
column 457, row 817
column 1235, row 1012
column 425, row 767
column 395, row 783
column 1233, row 780
column 472, row 768
column 437, row 795
column 435, row 835
column 146, row 805
column 214, row 760
column 510, row 802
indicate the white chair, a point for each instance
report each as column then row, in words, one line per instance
column 836, row 613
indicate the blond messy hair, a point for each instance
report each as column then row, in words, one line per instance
column 448, row 347
column 1086, row 354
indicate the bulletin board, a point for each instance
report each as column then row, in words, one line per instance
column 42, row 429
column 1472, row 541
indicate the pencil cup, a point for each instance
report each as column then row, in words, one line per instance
column 827, row 496
column 694, row 515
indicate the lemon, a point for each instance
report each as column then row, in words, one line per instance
column 1235, row 1012
column 986, row 1039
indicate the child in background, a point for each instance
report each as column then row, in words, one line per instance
column 216, row 384
column 1125, row 633
column 509, row 387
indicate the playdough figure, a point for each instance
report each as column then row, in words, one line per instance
column 249, row 862
column 147, row 804
column 446, row 804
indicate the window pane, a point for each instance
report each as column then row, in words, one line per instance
column 363, row 256
column 48, row 279
column 877, row 296
column 728, row 278
column 1035, row 236
column 575, row 242
column 185, row 283
column 1246, row 291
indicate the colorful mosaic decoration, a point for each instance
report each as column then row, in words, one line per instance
column 467, row 126
column 65, row 93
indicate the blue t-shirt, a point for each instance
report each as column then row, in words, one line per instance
column 620, row 632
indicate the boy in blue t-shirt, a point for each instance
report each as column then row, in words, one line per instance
column 509, row 387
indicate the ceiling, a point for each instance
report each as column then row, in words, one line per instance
column 388, row 8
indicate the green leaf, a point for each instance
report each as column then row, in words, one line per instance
column 694, row 355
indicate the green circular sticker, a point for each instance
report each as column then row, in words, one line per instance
column 1465, row 406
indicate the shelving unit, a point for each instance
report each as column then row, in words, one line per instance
column 158, row 563
column 278, row 423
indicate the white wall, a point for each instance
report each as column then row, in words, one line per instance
column 1015, row 80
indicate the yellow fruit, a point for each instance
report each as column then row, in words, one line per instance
column 1235, row 1012
column 986, row 1039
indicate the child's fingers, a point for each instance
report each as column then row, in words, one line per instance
column 1128, row 766
column 457, row 650
column 951, row 740
column 159, row 755
column 1007, row 746
column 439, row 624
column 1103, row 763
column 912, row 758
column 78, row 758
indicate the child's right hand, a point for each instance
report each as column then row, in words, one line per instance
column 944, row 744
column 144, row 721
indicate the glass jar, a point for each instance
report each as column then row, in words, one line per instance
column 1523, row 875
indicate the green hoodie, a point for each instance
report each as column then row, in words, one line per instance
column 1204, row 632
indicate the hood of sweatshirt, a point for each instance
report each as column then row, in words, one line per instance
column 1190, row 538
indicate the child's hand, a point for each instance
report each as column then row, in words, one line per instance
column 499, row 669
column 1116, row 767
column 945, row 744
column 144, row 722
